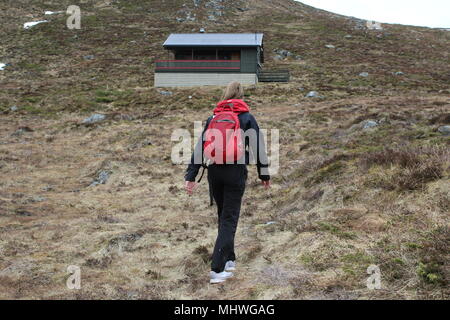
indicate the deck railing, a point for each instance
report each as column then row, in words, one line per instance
column 197, row 65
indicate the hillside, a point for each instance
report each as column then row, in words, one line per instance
column 364, row 175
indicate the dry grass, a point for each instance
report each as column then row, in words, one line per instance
column 344, row 197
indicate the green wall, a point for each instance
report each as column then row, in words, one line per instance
column 249, row 60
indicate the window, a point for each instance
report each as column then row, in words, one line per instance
column 229, row 55
column 204, row 54
column 184, row 54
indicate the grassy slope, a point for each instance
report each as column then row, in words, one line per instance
column 340, row 202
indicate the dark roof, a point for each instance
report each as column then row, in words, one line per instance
column 214, row 40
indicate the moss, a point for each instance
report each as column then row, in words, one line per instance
column 325, row 173
column 335, row 230
column 430, row 273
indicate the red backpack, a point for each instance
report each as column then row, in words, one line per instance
column 223, row 137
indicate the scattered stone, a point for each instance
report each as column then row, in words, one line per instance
column 107, row 219
column 23, row 213
column 283, row 54
column 278, row 57
column 364, row 125
column 14, row 108
column 445, row 130
column 367, row 124
column 22, row 130
column 364, row 74
column 89, row 57
column 312, row 94
column 94, row 118
column 166, row 93
column 330, row 46
column 37, row 199
column 102, row 178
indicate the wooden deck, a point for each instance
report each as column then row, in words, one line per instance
column 274, row 76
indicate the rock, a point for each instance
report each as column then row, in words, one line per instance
column 102, row 178
column 22, row 130
column 23, row 213
column 348, row 36
column 94, row 118
column 312, row 94
column 283, row 54
column 278, row 57
column 364, row 74
column 14, row 108
column 37, row 199
column 445, row 130
column 364, row 125
column 89, row 57
column 399, row 73
column 330, row 46
column 297, row 57
column 2, row 66
column 48, row 188
column 368, row 124
column 166, row 93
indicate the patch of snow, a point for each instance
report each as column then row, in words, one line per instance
column 2, row 66
column 51, row 12
column 28, row 25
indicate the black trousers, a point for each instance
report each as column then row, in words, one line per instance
column 227, row 182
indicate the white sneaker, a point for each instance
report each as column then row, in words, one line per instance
column 219, row 277
column 230, row 266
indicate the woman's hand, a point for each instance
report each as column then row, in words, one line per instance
column 266, row 184
column 190, row 187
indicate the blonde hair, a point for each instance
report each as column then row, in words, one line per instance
column 234, row 90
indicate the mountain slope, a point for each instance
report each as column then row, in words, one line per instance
column 340, row 202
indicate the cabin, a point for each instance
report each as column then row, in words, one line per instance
column 201, row 59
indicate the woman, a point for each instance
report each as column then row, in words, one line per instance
column 227, row 181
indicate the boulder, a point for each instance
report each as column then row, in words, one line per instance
column 96, row 117
column 445, row 130
column 312, row 94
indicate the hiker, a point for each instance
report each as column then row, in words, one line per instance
column 227, row 178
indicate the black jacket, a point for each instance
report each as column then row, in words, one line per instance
column 247, row 121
